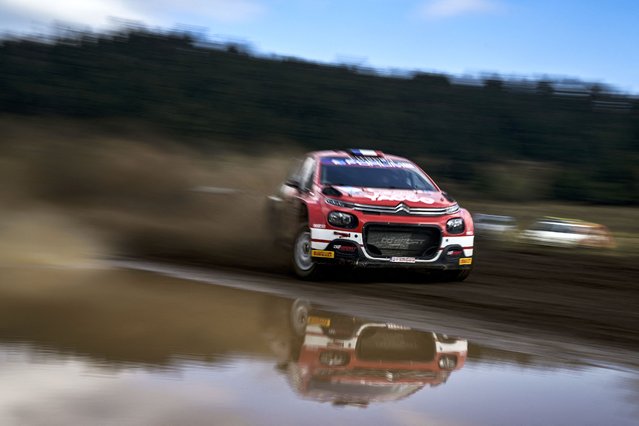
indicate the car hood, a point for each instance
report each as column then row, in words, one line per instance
column 392, row 197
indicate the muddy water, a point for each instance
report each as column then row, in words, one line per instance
column 109, row 346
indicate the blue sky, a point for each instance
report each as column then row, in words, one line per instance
column 593, row 40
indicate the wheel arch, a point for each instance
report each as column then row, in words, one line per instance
column 303, row 214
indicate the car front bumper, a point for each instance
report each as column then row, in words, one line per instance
column 454, row 253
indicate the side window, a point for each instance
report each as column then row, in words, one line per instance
column 306, row 174
column 543, row 226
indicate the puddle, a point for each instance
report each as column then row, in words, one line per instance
column 131, row 347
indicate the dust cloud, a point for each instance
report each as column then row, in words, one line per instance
column 69, row 197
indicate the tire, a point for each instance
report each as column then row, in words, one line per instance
column 303, row 265
column 299, row 316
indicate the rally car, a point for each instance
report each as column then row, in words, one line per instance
column 369, row 209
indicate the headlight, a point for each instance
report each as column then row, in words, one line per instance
column 455, row 226
column 339, row 203
column 342, row 220
column 334, row 358
column 452, row 209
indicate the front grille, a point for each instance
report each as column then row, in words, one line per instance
column 402, row 240
column 382, row 344
column 403, row 210
column 389, row 374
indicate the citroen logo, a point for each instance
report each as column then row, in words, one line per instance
column 402, row 207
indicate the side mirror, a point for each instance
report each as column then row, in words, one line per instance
column 292, row 183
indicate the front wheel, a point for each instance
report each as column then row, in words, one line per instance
column 303, row 264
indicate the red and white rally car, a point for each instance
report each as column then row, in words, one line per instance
column 366, row 208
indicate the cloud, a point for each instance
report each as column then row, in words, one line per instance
column 94, row 13
column 435, row 9
column 21, row 14
column 229, row 11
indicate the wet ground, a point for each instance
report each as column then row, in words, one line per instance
column 528, row 339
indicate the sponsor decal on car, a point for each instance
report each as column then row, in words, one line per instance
column 368, row 162
column 388, row 195
column 397, row 196
column 466, row 261
column 323, row 253
column 322, row 322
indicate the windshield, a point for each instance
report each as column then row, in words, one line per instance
column 375, row 177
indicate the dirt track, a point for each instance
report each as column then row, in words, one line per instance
column 585, row 295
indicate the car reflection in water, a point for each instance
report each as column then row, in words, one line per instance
column 351, row 361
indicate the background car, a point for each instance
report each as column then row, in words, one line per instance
column 494, row 226
column 560, row 232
